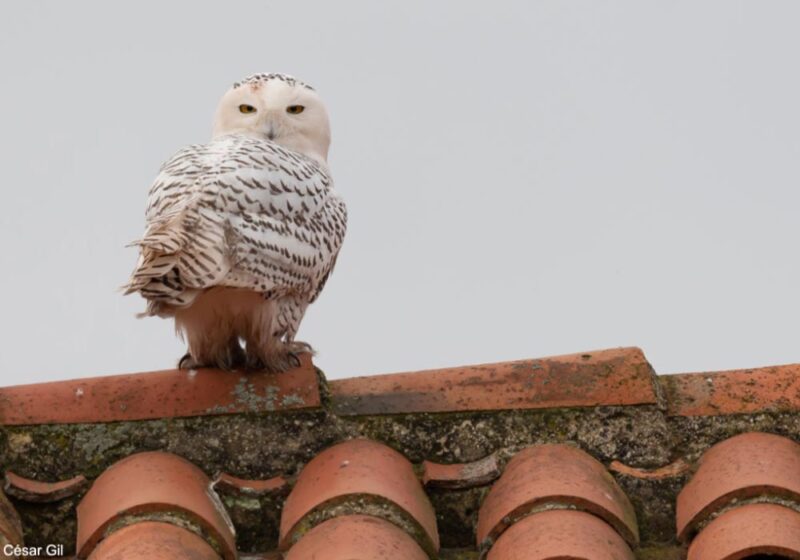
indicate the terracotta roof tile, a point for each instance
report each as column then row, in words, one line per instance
column 159, row 394
column 733, row 392
column 559, row 475
column 551, row 498
column 356, row 536
column 616, row 377
column 557, row 534
column 153, row 541
column 676, row 468
column 743, row 466
column 146, row 485
column 231, row 484
column 746, row 531
column 607, row 377
column 460, row 475
column 374, row 474
column 30, row 490
column 10, row 525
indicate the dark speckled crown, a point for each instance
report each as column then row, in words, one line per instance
column 263, row 78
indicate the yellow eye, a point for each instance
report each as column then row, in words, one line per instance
column 247, row 109
column 295, row 109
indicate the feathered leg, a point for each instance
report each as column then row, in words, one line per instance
column 210, row 327
column 270, row 344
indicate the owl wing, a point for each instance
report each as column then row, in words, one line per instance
column 238, row 212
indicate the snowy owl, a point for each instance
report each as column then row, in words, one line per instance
column 243, row 232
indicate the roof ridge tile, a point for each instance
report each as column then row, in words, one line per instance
column 160, row 394
column 738, row 391
column 611, row 377
column 620, row 376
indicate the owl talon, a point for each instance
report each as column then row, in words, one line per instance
column 187, row 362
column 298, row 347
column 253, row 363
column 229, row 358
column 278, row 362
column 235, row 357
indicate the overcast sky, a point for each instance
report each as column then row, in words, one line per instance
column 523, row 178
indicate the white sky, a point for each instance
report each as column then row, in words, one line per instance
column 523, row 178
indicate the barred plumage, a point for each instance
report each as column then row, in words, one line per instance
column 242, row 234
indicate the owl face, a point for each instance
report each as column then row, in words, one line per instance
column 277, row 108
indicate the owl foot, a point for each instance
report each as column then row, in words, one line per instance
column 275, row 363
column 282, row 362
column 283, row 359
column 229, row 358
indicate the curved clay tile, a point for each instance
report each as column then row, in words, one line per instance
column 560, row 474
column 740, row 467
column 226, row 483
column 674, row 469
column 560, row 533
column 153, row 541
column 356, row 536
column 152, row 482
column 30, row 490
column 358, row 467
column 749, row 530
column 10, row 525
column 460, row 475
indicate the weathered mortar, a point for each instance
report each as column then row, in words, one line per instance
column 693, row 435
column 248, row 446
column 256, row 520
column 654, row 502
column 457, row 514
column 631, row 434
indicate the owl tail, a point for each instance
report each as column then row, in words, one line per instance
column 157, row 276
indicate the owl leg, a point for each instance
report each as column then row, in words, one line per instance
column 209, row 328
column 234, row 356
column 259, row 344
column 291, row 311
column 290, row 314
column 275, row 349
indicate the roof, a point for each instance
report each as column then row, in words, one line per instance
column 589, row 455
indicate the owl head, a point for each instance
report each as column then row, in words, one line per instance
column 277, row 107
